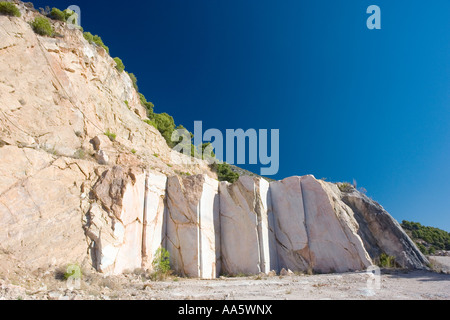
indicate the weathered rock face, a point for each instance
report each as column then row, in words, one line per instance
column 58, row 98
column 382, row 234
column 41, row 200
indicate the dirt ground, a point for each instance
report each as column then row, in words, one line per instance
column 393, row 285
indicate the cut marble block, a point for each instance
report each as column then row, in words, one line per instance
column 246, row 240
column 117, row 232
column 193, row 226
column 309, row 232
column 154, row 215
column 289, row 224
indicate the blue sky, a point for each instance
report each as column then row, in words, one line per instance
column 350, row 103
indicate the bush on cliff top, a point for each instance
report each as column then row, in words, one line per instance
column 9, row 9
column 95, row 39
column 57, row 14
column 225, row 173
column 119, row 64
column 42, row 26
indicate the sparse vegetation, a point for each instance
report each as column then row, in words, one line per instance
column 73, row 271
column 161, row 265
column 133, row 151
column 165, row 125
column 181, row 173
column 134, row 80
column 95, row 39
column 42, row 26
column 225, row 173
column 150, row 123
column 148, row 105
column 119, row 64
column 386, row 261
column 80, row 154
column 428, row 239
column 345, row 187
column 111, row 136
column 9, row 9
column 57, row 14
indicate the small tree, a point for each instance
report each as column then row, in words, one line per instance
column 42, row 26
column 148, row 105
column 57, row 14
column 95, row 40
column 161, row 264
column 225, row 173
column 9, row 9
column 119, row 64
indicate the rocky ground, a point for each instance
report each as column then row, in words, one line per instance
column 394, row 284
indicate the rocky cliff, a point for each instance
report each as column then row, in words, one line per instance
column 70, row 194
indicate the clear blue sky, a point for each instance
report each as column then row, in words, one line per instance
column 350, row 103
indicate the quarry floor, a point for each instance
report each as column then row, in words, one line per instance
column 393, row 285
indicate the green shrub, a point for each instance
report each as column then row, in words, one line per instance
column 161, row 264
column 73, row 271
column 119, row 64
column 57, row 14
column 151, row 123
column 225, row 173
column 9, row 9
column 386, row 261
column 206, row 155
column 111, row 136
column 68, row 14
column 133, row 151
column 89, row 37
column 422, row 248
column 134, row 80
column 345, row 187
column 95, row 40
column 42, row 26
column 166, row 125
column 148, row 105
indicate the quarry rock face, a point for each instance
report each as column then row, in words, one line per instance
column 154, row 217
column 247, row 242
column 381, row 233
column 193, row 236
column 84, row 179
column 125, row 224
